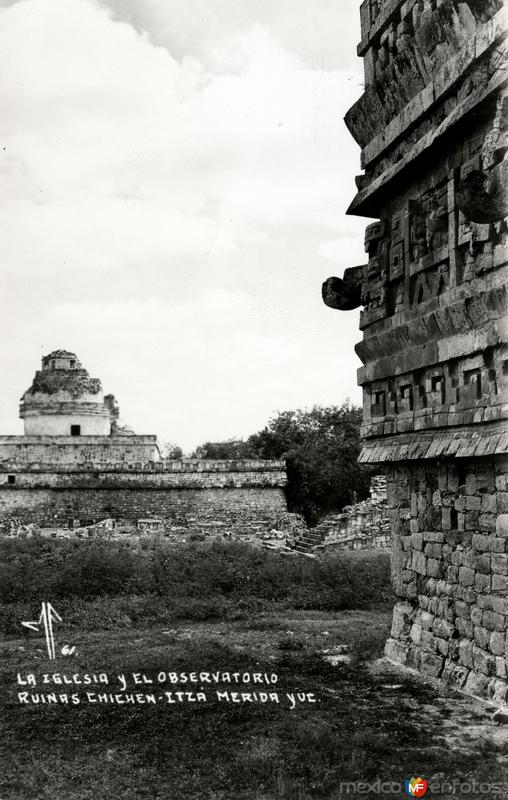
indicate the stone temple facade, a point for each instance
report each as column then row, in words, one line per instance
column 77, row 464
column 433, row 131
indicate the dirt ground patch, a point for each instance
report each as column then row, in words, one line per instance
column 369, row 720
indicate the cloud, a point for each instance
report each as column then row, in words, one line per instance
column 204, row 369
column 321, row 33
column 177, row 205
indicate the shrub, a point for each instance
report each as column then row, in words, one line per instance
column 195, row 581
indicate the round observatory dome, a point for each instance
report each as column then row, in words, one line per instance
column 64, row 400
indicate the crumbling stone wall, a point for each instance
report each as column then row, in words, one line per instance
column 241, row 510
column 362, row 526
column 433, row 130
column 354, row 529
column 243, row 498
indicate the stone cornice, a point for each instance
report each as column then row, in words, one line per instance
column 471, row 442
column 368, row 202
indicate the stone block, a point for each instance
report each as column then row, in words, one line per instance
column 402, row 620
column 433, row 536
column 466, row 576
column 432, row 664
column 464, row 593
column 446, row 519
column 489, row 504
column 428, row 641
column 497, row 643
column 502, row 503
column 433, row 604
column 482, row 582
column 498, row 545
column 487, row 522
column 423, row 601
column 455, row 538
column 434, row 551
column 427, row 620
column 466, row 652
column 443, row 629
column 416, row 633
column 500, row 563
column 454, row 674
column 481, row 637
column 465, row 627
column 434, row 568
column 499, row 692
column 501, row 667
column 476, row 684
column 460, row 503
column 500, row 583
column 476, row 614
column 483, row 662
column 494, row 621
column 493, row 603
column 443, row 646
column 483, row 563
column 413, row 526
column 471, row 520
column 446, row 609
column 417, row 541
column 442, row 588
column 502, row 525
column 447, row 553
column 481, row 542
column 397, row 651
column 473, row 503
column 462, row 609
column 419, row 563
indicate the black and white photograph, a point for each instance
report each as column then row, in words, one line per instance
column 254, row 399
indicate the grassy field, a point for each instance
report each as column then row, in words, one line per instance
column 366, row 723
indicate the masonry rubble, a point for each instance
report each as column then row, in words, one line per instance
column 433, row 131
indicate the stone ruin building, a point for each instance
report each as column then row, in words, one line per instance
column 433, row 131
column 361, row 526
column 77, row 464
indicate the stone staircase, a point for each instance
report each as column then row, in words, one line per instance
column 306, row 541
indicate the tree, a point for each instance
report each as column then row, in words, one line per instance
column 230, row 449
column 321, row 447
column 171, row 450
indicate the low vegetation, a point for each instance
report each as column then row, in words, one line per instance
column 110, row 584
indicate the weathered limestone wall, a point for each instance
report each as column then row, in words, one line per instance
column 18, row 452
column 242, row 497
column 362, row 526
column 450, row 571
column 227, row 510
column 432, row 124
column 92, row 422
column 362, row 529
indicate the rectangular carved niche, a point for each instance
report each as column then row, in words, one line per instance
column 406, row 397
column 472, row 384
column 379, row 403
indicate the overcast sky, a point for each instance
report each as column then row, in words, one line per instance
column 174, row 177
